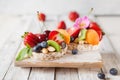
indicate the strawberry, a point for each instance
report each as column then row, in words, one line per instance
column 73, row 31
column 30, row 39
column 95, row 26
column 61, row 25
column 41, row 16
column 73, row 15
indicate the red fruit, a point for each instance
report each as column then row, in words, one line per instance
column 52, row 35
column 73, row 31
column 30, row 39
column 42, row 37
column 46, row 32
column 56, row 36
column 95, row 26
column 73, row 15
column 100, row 35
column 41, row 16
column 61, row 25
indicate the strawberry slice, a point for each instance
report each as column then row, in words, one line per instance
column 73, row 31
column 95, row 26
column 56, row 36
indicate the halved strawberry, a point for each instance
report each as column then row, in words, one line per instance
column 95, row 26
column 56, row 36
column 73, row 31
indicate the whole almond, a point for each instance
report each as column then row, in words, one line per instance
column 44, row 50
column 51, row 49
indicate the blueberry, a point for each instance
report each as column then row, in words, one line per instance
column 113, row 71
column 74, row 51
column 63, row 45
column 101, row 75
column 37, row 48
column 43, row 44
column 71, row 39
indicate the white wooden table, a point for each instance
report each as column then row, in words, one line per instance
column 12, row 27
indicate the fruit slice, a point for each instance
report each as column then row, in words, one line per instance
column 61, row 25
column 82, row 34
column 54, row 44
column 73, row 31
column 52, row 35
column 95, row 26
column 65, row 35
column 92, row 37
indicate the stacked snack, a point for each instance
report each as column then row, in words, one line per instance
column 85, row 35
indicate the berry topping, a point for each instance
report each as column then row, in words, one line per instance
column 37, row 48
column 42, row 37
column 43, row 44
column 30, row 39
column 101, row 75
column 71, row 39
column 41, row 16
column 113, row 71
column 61, row 25
column 46, row 32
column 74, row 51
column 63, row 45
column 73, row 15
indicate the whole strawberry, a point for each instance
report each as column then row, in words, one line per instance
column 41, row 16
column 30, row 39
column 61, row 25
column 73, row 15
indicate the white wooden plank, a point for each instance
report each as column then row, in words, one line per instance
column 66, row 74
column 88, row 74
column 109, row 58
column 10, row 48
column 42, row 74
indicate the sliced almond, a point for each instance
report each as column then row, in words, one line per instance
column 51, row 49
column 44, row 50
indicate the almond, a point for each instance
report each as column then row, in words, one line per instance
column 51, row 49
column 44, row 50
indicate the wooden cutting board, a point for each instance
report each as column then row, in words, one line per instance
column 88, row 59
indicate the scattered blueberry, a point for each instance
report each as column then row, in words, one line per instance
column 63, row 45
column 71, row 39
column 113, row 71
column 101, row 75
column 74, row 51
column 43, row 44
column 37, row 48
